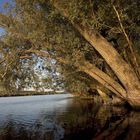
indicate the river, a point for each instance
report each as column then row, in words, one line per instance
column 61, row 117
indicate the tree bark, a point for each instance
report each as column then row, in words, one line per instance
column 104, row 79
column 104, row 96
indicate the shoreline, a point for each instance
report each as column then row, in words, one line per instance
column 29, row 93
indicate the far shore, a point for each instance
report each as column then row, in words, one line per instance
column 29, row 93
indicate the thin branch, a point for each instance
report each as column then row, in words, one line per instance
column 127, row 38
column 6, row 69
column 2, row 61
column 25, row 57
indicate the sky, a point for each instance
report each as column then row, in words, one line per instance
column 1, row 30
column 1, row 5
column 3, row 1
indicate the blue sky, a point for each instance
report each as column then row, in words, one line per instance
column 1, row 5
column 3, row 1
column 1, row 30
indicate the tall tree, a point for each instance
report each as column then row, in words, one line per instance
column 82, row 38
column 121, row 68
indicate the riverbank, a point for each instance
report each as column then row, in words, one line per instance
column 28, row 93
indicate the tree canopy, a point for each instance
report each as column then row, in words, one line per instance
column 86, row 47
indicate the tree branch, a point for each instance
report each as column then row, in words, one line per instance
column 127, row 39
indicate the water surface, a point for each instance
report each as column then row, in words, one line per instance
column 60, row 117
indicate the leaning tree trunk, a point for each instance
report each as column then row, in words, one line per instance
column 111, row 100
column 103, row 79
column 124, row 72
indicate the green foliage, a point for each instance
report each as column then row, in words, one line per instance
column 37, row 25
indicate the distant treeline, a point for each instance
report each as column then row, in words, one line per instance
column 28, row 93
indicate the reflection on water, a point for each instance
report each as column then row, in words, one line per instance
column 58, row 117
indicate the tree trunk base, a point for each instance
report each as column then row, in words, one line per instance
column 118, row 102
column 134, row 103
column 134, row 99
